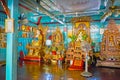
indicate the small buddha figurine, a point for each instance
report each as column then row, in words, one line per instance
column 111, row 41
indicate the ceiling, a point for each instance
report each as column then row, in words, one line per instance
column 67, row 6
column 61, row 11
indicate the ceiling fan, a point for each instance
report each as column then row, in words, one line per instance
column 111, row 10
column 22, row 19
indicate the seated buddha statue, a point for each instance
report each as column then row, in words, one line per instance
column 36, row 44
column 57, row 36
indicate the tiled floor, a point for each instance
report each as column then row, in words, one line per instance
column 38, row 71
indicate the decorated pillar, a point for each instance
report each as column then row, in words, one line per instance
column 11, row 29
column 65, row 32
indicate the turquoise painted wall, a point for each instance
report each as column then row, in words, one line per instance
column 22, row 42
column 2, row 54
column 2, row 23
column 2, row 19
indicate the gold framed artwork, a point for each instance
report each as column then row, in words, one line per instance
column 86, row 24
column 9, row 25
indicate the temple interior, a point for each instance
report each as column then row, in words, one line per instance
column 59, row 39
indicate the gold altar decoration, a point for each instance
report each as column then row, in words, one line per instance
column 57, row 36
column 57, row 47
column 78, row 24
column 81, row 27
column 110, row 46
column 81, row 32
column 81, row 19
column 36, row 48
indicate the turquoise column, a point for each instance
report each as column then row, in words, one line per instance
column 11, row 53
column 66, row 36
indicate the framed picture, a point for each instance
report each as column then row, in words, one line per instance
column 9, row 25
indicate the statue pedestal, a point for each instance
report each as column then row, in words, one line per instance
column 115, row 64
column 33, row 54
column 86, row 74
column 32, row 58
column 77, row 65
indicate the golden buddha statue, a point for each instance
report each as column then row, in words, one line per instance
column 43, row 33
column 57, row 36
column 36, row 45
